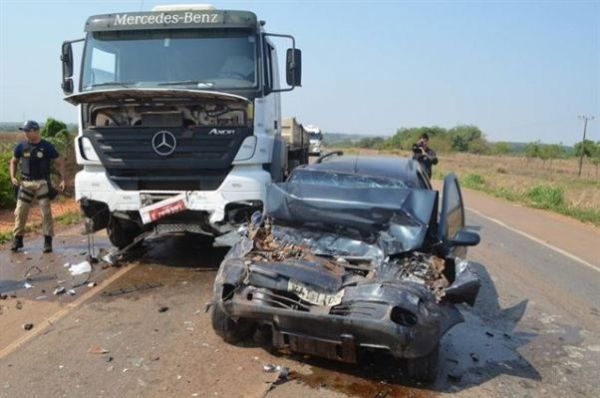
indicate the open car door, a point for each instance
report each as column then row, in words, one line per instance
column 451, row 226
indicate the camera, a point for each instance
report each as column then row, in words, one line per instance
column 416, row 148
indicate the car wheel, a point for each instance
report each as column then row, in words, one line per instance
column 122, row 233
column 228, row 329
column 423, row 368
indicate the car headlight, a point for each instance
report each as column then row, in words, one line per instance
column 87, row 150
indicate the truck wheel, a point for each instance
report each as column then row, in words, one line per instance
column 122, row 233
column 228, row 329
column 423, row 368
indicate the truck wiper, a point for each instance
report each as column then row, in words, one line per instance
column 122, row 84
column 198, row 83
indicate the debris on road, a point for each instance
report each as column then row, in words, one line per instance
column 163, row 309
column 81, row 268
column 474, row 357
column 43, row 297
column 27, row 285
column 282, row 371
column 96, row 349
column 28, row 326
column 91, row 284
column 19, row 305
column 59, row 290
column 489, row 334
column 71, row 292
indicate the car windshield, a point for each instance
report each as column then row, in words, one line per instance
column 329, row 178
column 180, row 58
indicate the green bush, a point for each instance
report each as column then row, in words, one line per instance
column 546, row 196
column 473, row 180
column 7, row 197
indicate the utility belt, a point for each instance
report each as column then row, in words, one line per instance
column 27, row 196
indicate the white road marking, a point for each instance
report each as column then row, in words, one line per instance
column 537, row 240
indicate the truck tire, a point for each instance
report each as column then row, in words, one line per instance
column 229, row 330
column 424, row 368
column 122, row 233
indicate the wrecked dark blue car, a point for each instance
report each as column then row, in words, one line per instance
column 351, row 254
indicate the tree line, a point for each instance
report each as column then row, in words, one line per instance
column 469, row 139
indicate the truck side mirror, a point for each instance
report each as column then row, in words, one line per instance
column 67, row 86
column 67, row 67
column 293, row 67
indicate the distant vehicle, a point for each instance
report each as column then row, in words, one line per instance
column 316, row 139
column 351, row 254
column 180, row 124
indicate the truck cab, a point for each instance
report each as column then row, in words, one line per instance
column 316, row 139
column 179, row 119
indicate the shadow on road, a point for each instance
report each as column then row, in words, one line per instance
column 182, row 251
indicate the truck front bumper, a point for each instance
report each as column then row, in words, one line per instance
column 242, row 184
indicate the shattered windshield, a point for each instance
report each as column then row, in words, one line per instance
column 395, row 219
column 346, row 180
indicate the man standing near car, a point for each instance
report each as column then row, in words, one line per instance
column 34, row 156
column 425, row 155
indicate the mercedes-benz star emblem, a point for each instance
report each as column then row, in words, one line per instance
column 164, row 143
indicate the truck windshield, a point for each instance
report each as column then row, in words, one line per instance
column 162, row 58
column 315, row 136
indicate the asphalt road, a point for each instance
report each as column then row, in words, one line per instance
column 534, row 330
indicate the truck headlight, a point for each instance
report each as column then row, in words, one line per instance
column 87, row 150
column 246, row 150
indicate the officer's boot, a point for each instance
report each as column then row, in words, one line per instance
column 47, row 244
column 17, row 243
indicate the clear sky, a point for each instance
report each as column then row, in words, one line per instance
column 520, row 70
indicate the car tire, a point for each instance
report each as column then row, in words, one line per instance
column 229, row 330
column 423, row 368
column 122, row 233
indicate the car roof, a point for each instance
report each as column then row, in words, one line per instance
column 395, row 167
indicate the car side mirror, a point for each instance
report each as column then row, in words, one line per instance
column 293, row 67
column 465, row 238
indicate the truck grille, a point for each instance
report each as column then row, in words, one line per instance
column 199, row 162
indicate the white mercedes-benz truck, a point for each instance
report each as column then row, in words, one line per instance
column 179, row 119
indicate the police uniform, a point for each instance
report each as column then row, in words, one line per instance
column 35, row 161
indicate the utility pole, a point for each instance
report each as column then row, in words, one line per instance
column 585, row 119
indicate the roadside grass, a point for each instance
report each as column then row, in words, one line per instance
column 67, row 218
column 540, row 196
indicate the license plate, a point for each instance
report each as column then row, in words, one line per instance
column 311, row 296
column 166, row 210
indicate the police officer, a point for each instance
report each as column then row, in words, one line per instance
column 35, row 156
column 424, row 154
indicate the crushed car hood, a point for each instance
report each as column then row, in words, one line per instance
column 129, row 94
column 395, row 219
